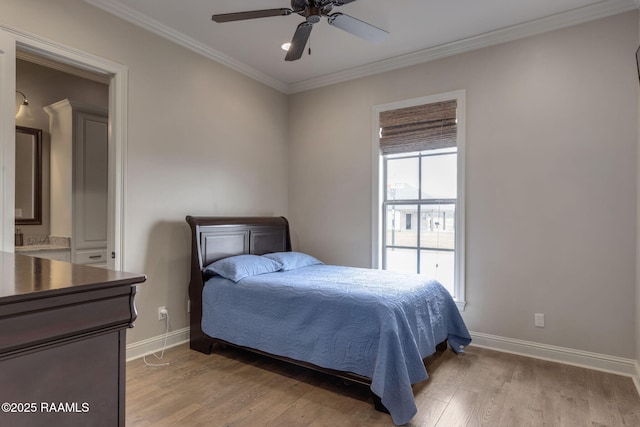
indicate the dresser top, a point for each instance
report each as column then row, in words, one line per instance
column 27, row 277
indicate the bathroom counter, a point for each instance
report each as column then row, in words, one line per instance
column 50, row 247
column 46, row 250
column 42, row 247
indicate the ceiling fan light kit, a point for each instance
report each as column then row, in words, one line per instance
column 312, row 11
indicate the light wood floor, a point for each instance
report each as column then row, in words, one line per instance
column 234, row 388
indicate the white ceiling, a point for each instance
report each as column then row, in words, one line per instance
column 420, row 30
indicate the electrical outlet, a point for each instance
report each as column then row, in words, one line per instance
column 539, row 320
column 162, row 313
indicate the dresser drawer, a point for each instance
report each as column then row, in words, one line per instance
column 46, row 319
column 90, row 256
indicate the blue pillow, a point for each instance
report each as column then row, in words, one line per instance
column 238, row 267
column 292, row 260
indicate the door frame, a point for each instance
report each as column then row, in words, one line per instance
column 11, row 40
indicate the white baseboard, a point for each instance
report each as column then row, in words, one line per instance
column 154, row 344
column 569, row 356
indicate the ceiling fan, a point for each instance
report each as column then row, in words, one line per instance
column 312, row 11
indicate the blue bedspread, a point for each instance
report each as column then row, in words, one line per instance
column 374, row 323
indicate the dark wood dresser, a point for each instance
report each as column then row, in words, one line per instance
column 62, row 342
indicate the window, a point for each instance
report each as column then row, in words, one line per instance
column 421, row 195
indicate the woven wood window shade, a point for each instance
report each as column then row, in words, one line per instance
column 418, row 128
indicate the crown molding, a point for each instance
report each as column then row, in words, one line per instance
column 581, row 15
column 566, row 19
column 133, row 16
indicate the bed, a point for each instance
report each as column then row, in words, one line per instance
column 249, row 289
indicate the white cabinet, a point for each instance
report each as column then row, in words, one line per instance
column 79, row 178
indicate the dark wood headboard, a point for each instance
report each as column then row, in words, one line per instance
column 214, row 238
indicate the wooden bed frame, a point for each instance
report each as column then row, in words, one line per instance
column 215, row 238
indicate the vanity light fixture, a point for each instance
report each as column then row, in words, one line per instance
column 24, row 112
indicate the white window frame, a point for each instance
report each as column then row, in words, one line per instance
column 378, row 196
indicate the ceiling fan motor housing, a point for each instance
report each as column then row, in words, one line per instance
column 313, row 14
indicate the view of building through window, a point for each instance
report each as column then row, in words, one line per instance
column 420, row 213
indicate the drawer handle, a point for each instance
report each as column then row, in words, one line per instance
column 95, row 256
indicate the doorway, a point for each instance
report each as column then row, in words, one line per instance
column 16, row 45
column 73, row 165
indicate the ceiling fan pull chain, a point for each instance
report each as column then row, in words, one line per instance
column 309, row 45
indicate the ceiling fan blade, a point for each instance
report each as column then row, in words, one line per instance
column 299, row 41
column 240, row 16
column 341, row 2
column 358, row 28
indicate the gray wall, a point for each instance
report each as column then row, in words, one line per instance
column 637, row 335
column 551, row 143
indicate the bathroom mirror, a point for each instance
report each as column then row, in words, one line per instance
column 28, row 208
